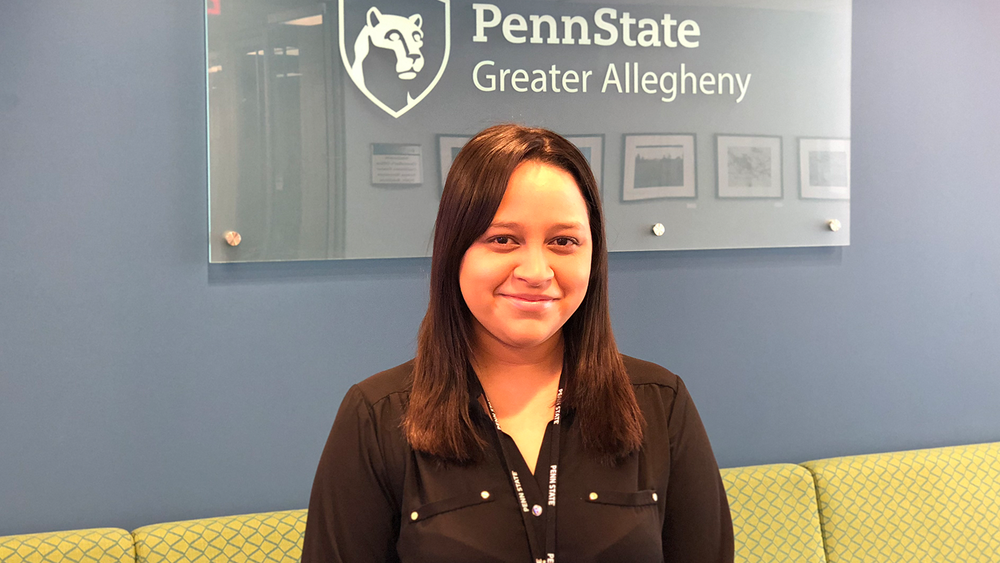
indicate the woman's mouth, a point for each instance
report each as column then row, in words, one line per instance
column 529, row 302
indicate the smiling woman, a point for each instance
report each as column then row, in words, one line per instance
column 522, row 280
column 525, row 276
column 516, row 369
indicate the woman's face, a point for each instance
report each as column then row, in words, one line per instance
column 528, row 273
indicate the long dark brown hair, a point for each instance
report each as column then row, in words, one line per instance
column 598, row 389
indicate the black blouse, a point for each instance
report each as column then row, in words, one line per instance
column 375, row 499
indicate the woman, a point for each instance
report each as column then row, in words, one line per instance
column 519, row 432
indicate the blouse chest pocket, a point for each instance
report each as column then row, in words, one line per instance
column 463, row 527
column 465, row 500
column 620, row 526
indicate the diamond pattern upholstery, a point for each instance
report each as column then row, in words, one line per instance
column 940, row 505
column 774, row 514
column 925, row 506
column 270, row 537
column 101, row 545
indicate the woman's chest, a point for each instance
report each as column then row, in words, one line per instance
column 497, row 510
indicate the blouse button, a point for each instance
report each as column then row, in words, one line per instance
column 655, row 498
column 593, row 496
column 414, row 516
column 536, row 510
column 485, row 494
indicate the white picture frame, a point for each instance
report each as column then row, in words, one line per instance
column 448, row 147
column 749, row 166
column 659, row 166
column 592, row 147
column 824, row 168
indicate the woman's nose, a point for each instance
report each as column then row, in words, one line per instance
column 534, row 267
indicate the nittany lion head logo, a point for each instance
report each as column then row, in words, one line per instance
column 389, row 51
column 400, row 35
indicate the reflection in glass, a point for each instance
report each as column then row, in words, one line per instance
column 272, row 107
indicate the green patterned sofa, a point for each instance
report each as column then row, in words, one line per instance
column 268, row 537
column 925, row 506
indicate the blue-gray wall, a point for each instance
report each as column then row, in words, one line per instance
column 137, row 384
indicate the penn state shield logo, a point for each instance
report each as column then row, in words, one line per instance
column 395, row 51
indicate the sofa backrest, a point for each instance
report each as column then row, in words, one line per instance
column 268, row 537
column 940, row 505
column 925, row 506
column 98, row 545
column 774, row 514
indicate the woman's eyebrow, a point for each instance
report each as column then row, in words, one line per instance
column 569, row 226
column 557, row 227
column 505, row 225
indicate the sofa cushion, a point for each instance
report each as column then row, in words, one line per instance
column 99, row 545
column 270, row 537
column 774, row 511
column 939, row 505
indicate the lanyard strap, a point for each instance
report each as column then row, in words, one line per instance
column 549, row 555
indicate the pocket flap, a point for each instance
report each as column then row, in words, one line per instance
column 618, row 498
column 449, row 504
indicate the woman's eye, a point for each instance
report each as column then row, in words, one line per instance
column 564, row 241
column 503, row 243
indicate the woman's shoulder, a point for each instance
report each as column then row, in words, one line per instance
column 642, row 372
column 396, row 381
column 378, row 404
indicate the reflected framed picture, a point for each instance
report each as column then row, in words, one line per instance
column 659, row 166
column 448, row 147
column 592, row 147
column 748, row 166
column 397, row 164
column 825, row 168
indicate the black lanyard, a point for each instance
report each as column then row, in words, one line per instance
column 549, row 555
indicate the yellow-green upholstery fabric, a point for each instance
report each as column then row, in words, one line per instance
column 940, row 505
column 99, row 545
column 774, row 514
column 272, row 537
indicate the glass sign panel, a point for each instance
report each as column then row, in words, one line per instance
column 709, row 124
